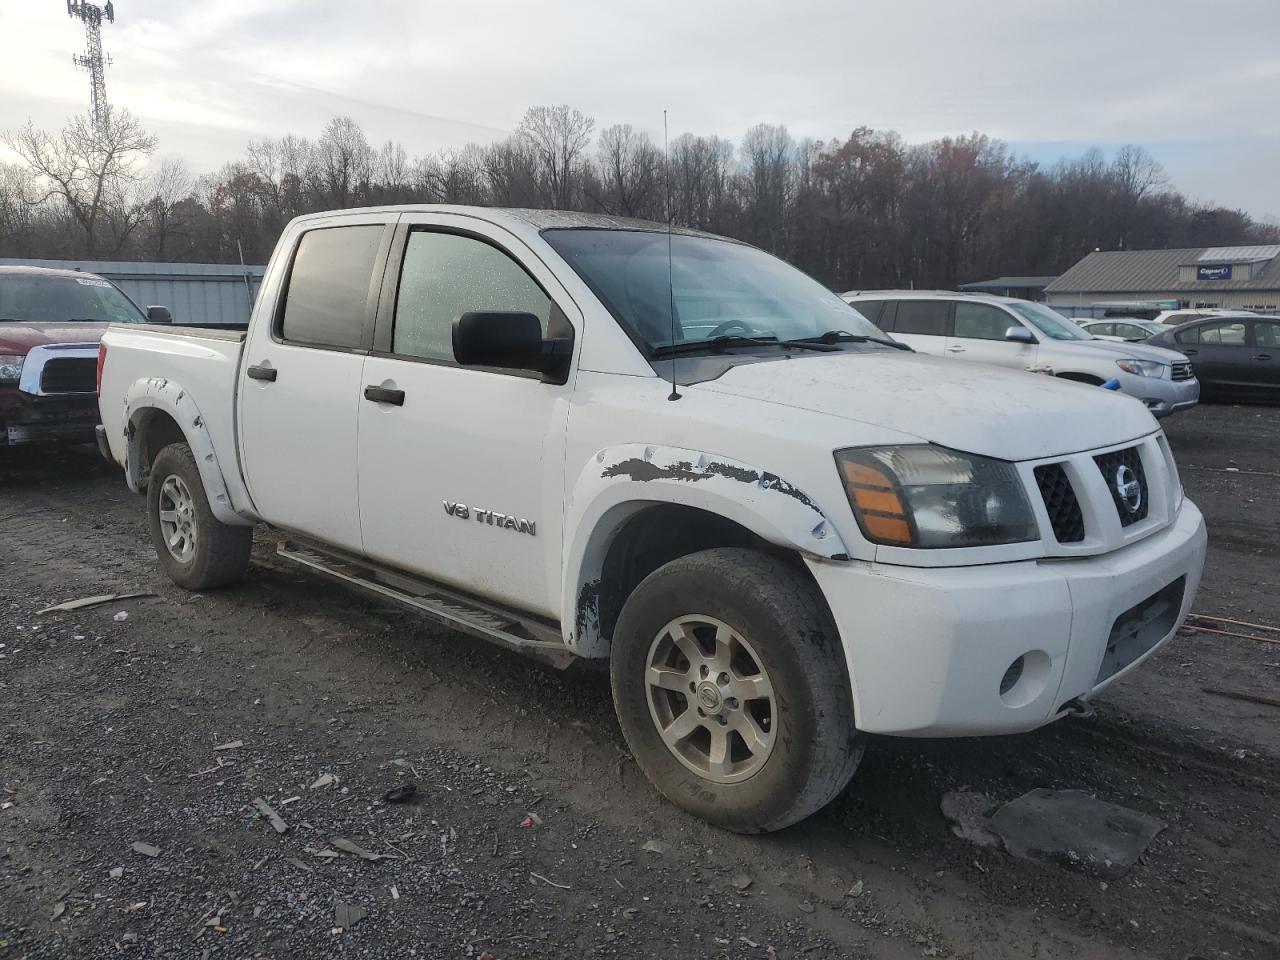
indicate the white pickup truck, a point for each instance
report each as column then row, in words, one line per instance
column 582, row 436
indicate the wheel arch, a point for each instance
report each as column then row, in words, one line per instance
column 158, row 412
column 634, row 508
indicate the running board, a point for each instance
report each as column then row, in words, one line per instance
column 451, row 608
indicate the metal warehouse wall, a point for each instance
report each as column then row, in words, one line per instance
column 1261, row 301
column 194, row 292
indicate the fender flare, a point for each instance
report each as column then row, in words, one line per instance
column 167, row 396
column 620, row 481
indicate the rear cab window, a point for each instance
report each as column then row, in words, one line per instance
column 327, row 301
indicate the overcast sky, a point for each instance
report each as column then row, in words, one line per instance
column 1194, row 82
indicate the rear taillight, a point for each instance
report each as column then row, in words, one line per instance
column 102, row 359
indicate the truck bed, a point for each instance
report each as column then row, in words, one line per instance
column 211, row 331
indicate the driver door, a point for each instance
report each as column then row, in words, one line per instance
column 978, row 334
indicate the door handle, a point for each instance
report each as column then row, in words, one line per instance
column 1262, row 356
column 1190, row 353
column 260, row 372
column 384, row 395
column 955, row 349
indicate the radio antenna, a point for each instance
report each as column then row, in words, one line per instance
column 671, row 288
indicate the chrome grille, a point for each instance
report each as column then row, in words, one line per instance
column 1183, row 371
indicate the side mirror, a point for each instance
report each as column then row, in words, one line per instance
column 509, row 341
column 159, row 315
column 1020, row 334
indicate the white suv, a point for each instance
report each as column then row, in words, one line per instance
column 1024, row 335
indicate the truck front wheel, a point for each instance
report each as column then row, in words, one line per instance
column 730, row 686
column 196, row 550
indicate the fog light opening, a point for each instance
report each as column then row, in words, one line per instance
column 1025, row 679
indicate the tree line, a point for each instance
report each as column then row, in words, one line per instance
column 867, row 211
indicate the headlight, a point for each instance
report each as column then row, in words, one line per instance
column 1143, row 368
column 10, row 368
column 927, row 496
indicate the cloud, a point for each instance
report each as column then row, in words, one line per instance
column 210, row 76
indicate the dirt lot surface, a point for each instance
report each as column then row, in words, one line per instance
column 527, row 835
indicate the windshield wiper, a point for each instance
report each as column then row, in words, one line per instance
column 844, row 336
column 719, row 344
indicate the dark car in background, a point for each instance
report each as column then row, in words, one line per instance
column 1233, row 355
column 50, row 325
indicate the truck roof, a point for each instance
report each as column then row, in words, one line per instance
column 523, row 218
column 24, row 270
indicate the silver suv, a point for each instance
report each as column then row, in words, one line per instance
column 1028, row 336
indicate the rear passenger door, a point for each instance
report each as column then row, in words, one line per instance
column 300, row 381
column 978, row 334
column 921, row 324
column 1265, row 356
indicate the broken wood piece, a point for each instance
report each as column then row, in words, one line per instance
column 86, row 602
column 346, row 846
column 1239, row 695
column 264, row 808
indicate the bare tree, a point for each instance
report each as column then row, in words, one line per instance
column 344, row 163
column 86, row 167
column 557, row 138
column 700, row 172
column 166, row 188
column 631, row 173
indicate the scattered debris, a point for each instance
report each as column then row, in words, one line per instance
column 531, row 821
column 121, row 617
column 288, row 800
column 968, row 812
column 146, row 849
column 59, row 909
column 324, row 780
column 395, row 893
column 807, row 907
column 346, row 846
column 347, row 915
column 401, row 794
column 655, row 846
column 558, row 886
column 741, row 881
column 86, row 602
column 298, row 863
column 325, row 854
column 115, row 873
column 265, row 809
column 631, row 913
column 855, row 890
column 1073, row 828
column 233, row 745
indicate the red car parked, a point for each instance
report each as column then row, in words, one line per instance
column 50, row 325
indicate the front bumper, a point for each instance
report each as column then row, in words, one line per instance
column 49, row 420
column 930, row 651
column 1162, row 397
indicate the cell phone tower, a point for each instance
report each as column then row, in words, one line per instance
column 92, row 59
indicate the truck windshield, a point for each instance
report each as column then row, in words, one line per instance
column 61, row 299
column 718, row 289
column 1049, row 322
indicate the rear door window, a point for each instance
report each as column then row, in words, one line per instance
column 327, row 300
column 1226, row 334
column 870, row 309
column 923, row 317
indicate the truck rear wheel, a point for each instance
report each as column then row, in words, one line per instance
column 730, row 686
column 196, row 550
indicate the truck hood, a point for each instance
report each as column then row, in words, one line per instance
column 19, row 336
column 976, row 408
column 1135, row 351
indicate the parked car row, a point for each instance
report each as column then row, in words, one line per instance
column 1021, row 335
column 586, row 437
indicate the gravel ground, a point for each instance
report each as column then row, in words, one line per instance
column 527, row 836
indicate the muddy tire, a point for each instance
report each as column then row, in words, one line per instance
column 196, row 550
column 730, row 685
